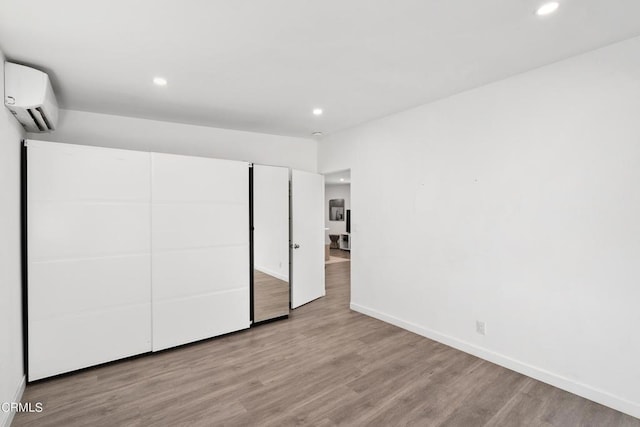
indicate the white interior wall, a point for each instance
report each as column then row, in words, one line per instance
column 11, row 369
column 336, row 191
column 515, row 204
column 79, row 127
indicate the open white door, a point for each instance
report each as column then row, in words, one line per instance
column 307, row 237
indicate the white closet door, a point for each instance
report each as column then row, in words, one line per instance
column 89, row 287
column 200, row 248
column 307, row 235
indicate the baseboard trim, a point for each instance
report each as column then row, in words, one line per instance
column 272, row 273
column 16, row 398
column 580, row 389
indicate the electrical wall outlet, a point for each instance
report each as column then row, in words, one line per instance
column 481, row 327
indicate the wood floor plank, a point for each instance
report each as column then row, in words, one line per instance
column 324, row 366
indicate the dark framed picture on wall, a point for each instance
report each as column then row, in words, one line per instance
column 336, row 210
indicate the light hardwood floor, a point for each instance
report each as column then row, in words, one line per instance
column 270, row 296
column 340, row 253
column 324, row 366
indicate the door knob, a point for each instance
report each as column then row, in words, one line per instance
column 296, row 246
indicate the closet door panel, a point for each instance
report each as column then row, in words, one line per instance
column 81, row 173
column 198, row 225
column 188, row 179
column 89, row 288
column 81, row 339
column 64, row 230
column 271, row 290
column 200, row 248
column 88, row 285
column 183, row 320
column 198, row 271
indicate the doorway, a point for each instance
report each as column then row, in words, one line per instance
column 337, row 214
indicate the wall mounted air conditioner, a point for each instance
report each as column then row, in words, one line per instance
column 29, row 96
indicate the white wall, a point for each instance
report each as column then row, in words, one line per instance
column 78, row 127
column 336, row 191
column 516, row 204
column 11, row 369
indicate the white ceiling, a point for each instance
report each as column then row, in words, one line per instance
column 336, row 177
column 263, row 65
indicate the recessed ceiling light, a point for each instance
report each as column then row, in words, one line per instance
column 341, row 179
column 548, row 8
column 317, row 111
column 317, row 134
column 160, row 81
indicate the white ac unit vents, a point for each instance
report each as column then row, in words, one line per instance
column 29, row 96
